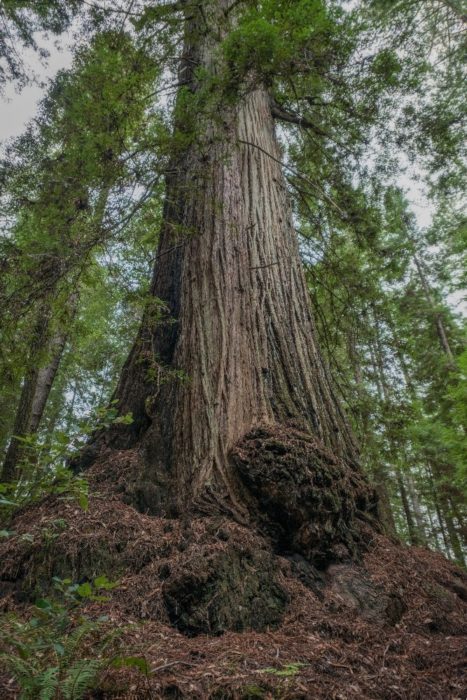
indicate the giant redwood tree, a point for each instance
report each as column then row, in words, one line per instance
column 226, row 371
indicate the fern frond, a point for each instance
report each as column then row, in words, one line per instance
column 47, row 683
column 73, row 641
column 23, row 672
column 80, row 678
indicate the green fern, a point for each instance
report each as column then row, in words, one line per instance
column 23, row 672
column 74, row 641
column 80, row 678
column 45, row 654
column 47, row 682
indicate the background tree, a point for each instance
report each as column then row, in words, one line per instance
column 82, row 153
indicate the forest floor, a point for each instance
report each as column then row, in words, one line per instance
column 391, row 626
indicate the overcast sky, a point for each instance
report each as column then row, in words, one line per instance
column 16, row 109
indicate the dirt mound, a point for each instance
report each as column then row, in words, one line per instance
column 218, row 611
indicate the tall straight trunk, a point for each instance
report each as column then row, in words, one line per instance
column 439, row 514
column 45, row 379
column 434, row 531
column 437, row 316
column 49, row 343
column 380, row 471
column 417, row 509
column 445, row 493
column 229, row 342
column 454, row 540
column 413, row 535
column 37, row 384
column 10, row 390
column 444, row 512
column 381, row 480
column 456, row 510
column 441, row 472
column 21, row 425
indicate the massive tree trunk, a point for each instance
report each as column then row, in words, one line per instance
column 228, row 343
column 234, row 346
column 234, row 413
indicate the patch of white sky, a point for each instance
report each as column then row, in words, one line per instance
column 18, row 107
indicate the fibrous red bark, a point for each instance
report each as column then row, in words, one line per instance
column 228, row 343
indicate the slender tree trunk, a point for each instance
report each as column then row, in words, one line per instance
column 417, row 510
column 437, row 316
column 454, row 496
column 23, row 411
column 442, row 527
column 50, row 344
column 413, row 536
column 45, row 379
column 379, row 470
column 37, row 384
column 439, row 515
column 444, row 494
column 10, row 390
column 454, row 540
column 456, row 510
column 434, row 531
column 228, row 343
column 381, row 479
column 448, row 488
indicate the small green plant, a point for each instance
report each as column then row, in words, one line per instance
column 104, row 417
column 286, row 671
column 43, row 467
column 37, row 481
column 58, row 653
